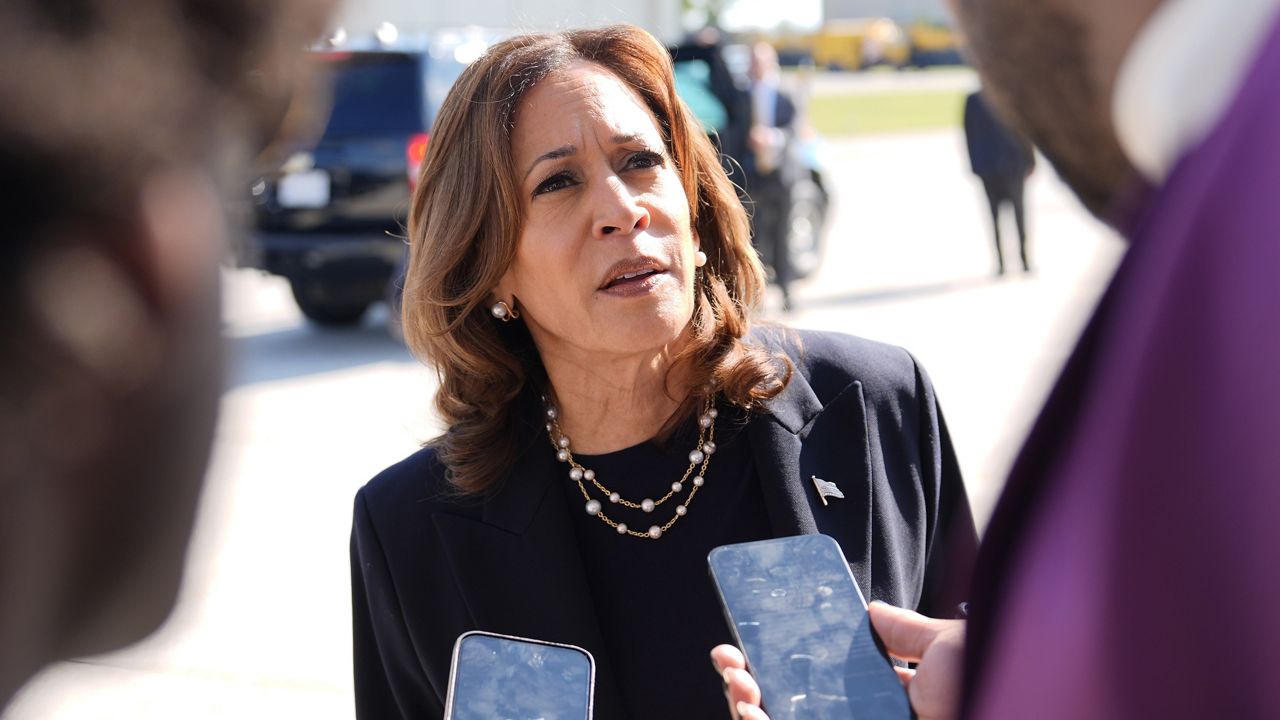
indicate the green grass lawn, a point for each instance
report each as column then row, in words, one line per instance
column 862, row 114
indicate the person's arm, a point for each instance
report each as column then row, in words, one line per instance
column 384, row 660
column 784, row 112
column 1029, row 152
column 951, row 542
column 971, row 131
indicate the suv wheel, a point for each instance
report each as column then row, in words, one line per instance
column 322, row 308
column 805, row 234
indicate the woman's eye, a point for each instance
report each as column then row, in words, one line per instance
column 645, row 159
column 556, row 182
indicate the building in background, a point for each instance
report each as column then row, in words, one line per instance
column 362, row 17
column 901, row 11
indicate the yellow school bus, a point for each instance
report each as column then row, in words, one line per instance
column 863, row 42
column 933, row 43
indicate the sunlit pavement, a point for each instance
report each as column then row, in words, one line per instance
column 262, row 629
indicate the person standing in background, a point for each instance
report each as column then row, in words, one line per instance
column 769, row 173
column 1003, row 159
column 122, row 128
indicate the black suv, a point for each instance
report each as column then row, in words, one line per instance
column 332, row 219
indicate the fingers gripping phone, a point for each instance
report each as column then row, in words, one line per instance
column 509, row 678
column 801, row 621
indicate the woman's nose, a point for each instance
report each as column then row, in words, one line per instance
column 618, row 210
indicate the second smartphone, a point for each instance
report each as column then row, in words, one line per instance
column 797, row 613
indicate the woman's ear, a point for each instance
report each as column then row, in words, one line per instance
column 183, row 234
column 506, row 289
column 98, row 310
column 116, row 307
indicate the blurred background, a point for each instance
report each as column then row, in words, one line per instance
column 877, row 225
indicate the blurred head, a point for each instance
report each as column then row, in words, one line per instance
column 1049, row 67
column 764, row 61
column 559, row 165
column 122, row 125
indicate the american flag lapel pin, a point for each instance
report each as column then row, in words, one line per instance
column 826, row 489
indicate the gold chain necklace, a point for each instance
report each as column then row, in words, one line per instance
column 699, row 456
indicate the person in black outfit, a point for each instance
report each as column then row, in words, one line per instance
column 581, row 279
column 1002, row 159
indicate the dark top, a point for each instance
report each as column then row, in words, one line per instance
column 427, row 567
column 995, row 150
column 661, row 662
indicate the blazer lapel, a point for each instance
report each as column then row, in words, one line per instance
column 523, row 547
column 776, row 446
column 803, row 438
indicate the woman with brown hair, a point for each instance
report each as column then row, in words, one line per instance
column 581, row 279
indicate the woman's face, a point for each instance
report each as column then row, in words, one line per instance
column 605, row 262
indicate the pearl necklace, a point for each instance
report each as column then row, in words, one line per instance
column 699, row 456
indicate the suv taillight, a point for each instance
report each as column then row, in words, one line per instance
column 414, row 152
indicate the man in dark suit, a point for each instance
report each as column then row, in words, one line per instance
column 1003, row 159
column 119, row 125
column 768, row 166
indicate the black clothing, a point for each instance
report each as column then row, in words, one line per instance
column 995, row 150
column 658, row 662
column 427, row 567
column 1012, row 191
column 1002, row 159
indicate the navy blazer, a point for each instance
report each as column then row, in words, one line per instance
column 995, row 150
column 427, row 567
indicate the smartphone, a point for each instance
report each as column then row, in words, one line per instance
column 801, row 621
column 500, row 677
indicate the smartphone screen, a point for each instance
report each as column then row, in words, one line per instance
column 802, row 623
column 499, row 677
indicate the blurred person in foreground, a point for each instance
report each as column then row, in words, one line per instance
column 122, row 124
column 768, row 166
column 1003, row 159
column 1132, row 568
column 581, row 278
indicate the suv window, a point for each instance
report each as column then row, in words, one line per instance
column 375, row 93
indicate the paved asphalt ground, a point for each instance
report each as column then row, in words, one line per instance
column 262, row 629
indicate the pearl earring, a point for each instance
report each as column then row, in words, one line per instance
column 504, row 312
column 699, row 259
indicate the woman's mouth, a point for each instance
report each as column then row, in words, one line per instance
column 631, row 277
column 635, row 283
column 636, row 276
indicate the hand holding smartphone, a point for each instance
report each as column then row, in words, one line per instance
column 801, row 621
column 511, row 678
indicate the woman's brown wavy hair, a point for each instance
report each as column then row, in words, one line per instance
column 465, row 223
